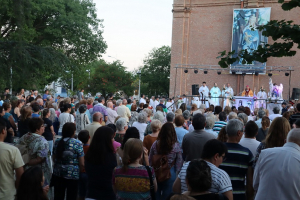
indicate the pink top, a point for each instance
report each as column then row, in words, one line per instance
column 57, row 113
column 116, row 145
column 89, row 106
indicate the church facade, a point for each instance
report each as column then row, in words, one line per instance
column 202, row 28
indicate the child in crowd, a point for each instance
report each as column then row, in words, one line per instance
column 84, row 137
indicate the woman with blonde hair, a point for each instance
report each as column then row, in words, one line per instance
column 90, row 103
column 276, row 136
column 227, row 110
column 151, row 138
column 133, row 179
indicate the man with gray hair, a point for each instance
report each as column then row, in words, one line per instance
column 276, row 111
column 210, row 122
column 161, row 103
column 97, row 121
column 276, row 172
column 232, row 115
column 170, row 117
column 239, row 160
column 111, row 114
column 261, row 113
column 243, row 117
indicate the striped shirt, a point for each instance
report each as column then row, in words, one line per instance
column 237, row 161
column 218, row 126
column 220, row 180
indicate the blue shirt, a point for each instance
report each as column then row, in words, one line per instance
column 45, row 97
column 180, row 132
column 33, row 115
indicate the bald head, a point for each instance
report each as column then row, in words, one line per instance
column 110, row 105
column 124, row 102
column 97, row 117
column 294, row 136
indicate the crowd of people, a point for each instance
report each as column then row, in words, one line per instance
column 106, row 148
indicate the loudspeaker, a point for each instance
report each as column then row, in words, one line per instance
column 296, row 93
column 195, row 89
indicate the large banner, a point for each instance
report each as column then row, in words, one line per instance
column 246, row 36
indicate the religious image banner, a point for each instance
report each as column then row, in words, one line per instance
column 246, row 36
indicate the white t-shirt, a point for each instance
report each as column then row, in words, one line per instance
column 10, row 159
column 273, row 116
column 141, row 127
column 64, row 118
column 251, row 144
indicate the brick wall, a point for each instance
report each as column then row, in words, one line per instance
column 201, row 29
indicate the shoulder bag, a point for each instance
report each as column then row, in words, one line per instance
column 152, row 190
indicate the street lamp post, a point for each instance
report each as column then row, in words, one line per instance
column 72, row 83
column 89, row 71
column 139, row 73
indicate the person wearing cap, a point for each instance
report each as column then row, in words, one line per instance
column 247, row 92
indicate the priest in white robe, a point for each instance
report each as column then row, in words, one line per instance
column 227, row 93
column 261, row 95
column 142, row 99
column 204, row 93
column 215, row 92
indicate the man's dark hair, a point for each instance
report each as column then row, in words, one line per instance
column 35, row 124
column 128, row 101
column 218, row 109
column 6, row 89
column 30, row 99
column 213, row 147
column 204, row 82
column 35, row 107
column 46, row 91
column 298, row 107
column 198, row 175
column 113, row 127
column 283, row 103
column 276, row 110
column 198, row 121
column 251, row 129
column 2, row 124
column 222, row 116
column 84, row 136
column 66, row 107
column 100, row 99
column 297, row 123
column 241, row 108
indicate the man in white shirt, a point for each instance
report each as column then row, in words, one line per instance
column 11, row 166
column 111, row 113
column 97, row 121
column 213, row 153
column 277, row 170
column 249, row 141
column 152, row 101
column 156, row 102
column 124, row 111
column 215, row 92
column 65, row 117
column 142, row 99
column 204, row 93
column 169, row 105
column 276, row 111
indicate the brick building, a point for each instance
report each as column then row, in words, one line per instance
column 202, row 28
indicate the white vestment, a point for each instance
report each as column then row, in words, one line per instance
column 169, row 107
column 227, row 93
column 142, row 100
column 261, row 95
column 155, row 104
column 215, row 92
column 205, row 94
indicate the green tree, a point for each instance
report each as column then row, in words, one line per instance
column 156, row 71
column 110, row 78
column 44, row 39
column 286, row 32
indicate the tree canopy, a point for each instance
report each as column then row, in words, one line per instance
column 44, row 39
column 110, row 78
column 286, row 32
column 156, row 71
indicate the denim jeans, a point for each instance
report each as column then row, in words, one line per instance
column 164, row 189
